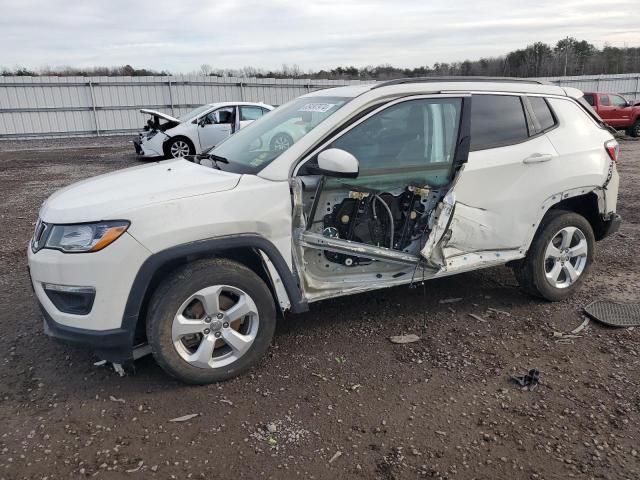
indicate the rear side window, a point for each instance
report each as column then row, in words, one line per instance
column 590, row 99
column 497, row 120
column 604, row 100
column 250, row 112
column 543, row 117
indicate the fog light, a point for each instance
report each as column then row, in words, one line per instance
column 74, row 300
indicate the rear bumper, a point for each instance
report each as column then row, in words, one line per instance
column 115, row 345
column 612, row 225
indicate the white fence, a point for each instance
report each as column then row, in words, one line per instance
column 77, row 106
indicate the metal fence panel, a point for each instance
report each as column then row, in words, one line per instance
column 68, row 106
column 625, row 84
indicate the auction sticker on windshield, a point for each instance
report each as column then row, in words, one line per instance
column 317, row 107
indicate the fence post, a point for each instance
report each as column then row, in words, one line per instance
column 241, row 91
column 637, row 92
column 170, row 96
column 93, row 106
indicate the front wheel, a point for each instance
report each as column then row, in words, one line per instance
column 559, row 258
column 634, row 130
column 210, row 321
column 180, row 147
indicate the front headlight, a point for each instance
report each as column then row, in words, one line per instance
column 85, row 237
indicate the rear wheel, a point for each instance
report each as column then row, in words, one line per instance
column 210, row 321
column 559, row 258
column 280, row 142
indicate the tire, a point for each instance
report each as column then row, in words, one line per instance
column 200, row 346
column 634, row 130
column 549, row 273
column 280, row 142
column 179, row 147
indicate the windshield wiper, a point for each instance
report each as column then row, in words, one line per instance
column 207, row 156
column 217, row 158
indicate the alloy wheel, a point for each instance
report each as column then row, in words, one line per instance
column 215, row 326
column 565, row 257
column 179, row 149
column 281, row 143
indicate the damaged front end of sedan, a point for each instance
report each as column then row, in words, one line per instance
column 150, row 142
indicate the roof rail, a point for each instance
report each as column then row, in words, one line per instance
column 399, row 81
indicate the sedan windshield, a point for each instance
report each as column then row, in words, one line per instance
column 196, row 111
column 257, row 145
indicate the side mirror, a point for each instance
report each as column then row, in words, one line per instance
column 202, row 122
column 335, row 162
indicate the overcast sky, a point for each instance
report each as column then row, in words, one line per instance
column 181, row 35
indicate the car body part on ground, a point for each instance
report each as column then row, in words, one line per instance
column 614, row 313
column 528, row 381
column 383, row 186
column 196, row 131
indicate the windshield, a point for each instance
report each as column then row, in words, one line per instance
column 257, row 145
column 196, row 111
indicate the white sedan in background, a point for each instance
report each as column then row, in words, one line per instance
column 196, row 131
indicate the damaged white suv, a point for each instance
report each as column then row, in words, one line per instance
column 383, row 185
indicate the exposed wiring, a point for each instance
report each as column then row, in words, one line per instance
column 377, row 197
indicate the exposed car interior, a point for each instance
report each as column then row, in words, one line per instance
column 405, row 154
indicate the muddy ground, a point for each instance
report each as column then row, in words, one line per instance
column 334, row 398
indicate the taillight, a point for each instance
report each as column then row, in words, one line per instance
column 612, row 149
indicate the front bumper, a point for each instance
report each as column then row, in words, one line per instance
column 137, row 144
column 111, row 273
column 149, row 148
column 113, row 345
column 612, row 225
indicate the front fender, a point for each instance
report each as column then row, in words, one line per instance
column 211, row 246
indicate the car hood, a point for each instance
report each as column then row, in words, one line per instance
column 111, row 196
column 160, row 114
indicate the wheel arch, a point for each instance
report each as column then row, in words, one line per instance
column 247, row 249
column 587, row 205
column 586, row 201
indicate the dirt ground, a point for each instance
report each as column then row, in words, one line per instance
column 334, row 398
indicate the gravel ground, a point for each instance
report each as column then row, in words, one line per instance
column 334, row 398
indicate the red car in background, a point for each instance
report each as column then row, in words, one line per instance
column 616, row 111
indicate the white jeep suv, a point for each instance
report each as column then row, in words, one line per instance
column 384, row 185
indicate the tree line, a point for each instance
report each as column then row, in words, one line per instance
column 568, row 56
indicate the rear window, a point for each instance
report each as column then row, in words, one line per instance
column 590, row 99
column 543, row 117
column 497, row 120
